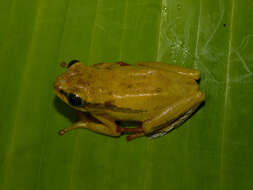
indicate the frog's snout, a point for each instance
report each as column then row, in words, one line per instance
column 56, row 85
column 59, row 83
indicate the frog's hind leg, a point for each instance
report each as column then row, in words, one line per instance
column 175, row 124
column 165, row 130
column 172, row 112
column 137, row 132
column 130, row 130
column 191, row 73
column 90, row 123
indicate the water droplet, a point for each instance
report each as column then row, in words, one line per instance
column 164, row 10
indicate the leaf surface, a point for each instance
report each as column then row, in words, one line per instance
column 212, row 150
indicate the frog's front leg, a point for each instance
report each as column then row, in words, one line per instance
column 109, row 123
column 191, row 73
column 172, row 112
column 86, row 123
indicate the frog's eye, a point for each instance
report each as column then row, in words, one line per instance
column 73, row 62
column 74, row 100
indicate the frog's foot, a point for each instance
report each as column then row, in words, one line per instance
column 137, row 132
column 134, row 136
column 129, row 130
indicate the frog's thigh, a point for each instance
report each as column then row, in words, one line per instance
column 175, row 124
column 85, row 123
column 109, row 124
column 192, row 73
column 172, row 112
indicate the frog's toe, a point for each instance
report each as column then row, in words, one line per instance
column 119, row 129
column 61, row 132
column 123, row 63
column 134, row 136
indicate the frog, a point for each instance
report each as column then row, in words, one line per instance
column 157, row 95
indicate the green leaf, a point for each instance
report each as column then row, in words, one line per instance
column 212, row 150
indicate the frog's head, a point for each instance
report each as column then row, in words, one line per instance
column 67, row 86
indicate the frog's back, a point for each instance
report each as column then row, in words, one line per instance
column 135, row 87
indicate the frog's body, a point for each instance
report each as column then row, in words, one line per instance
column 152, row 93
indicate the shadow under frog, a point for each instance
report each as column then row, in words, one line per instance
column 64, row 109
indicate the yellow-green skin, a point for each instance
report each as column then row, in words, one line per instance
column 153, row 93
